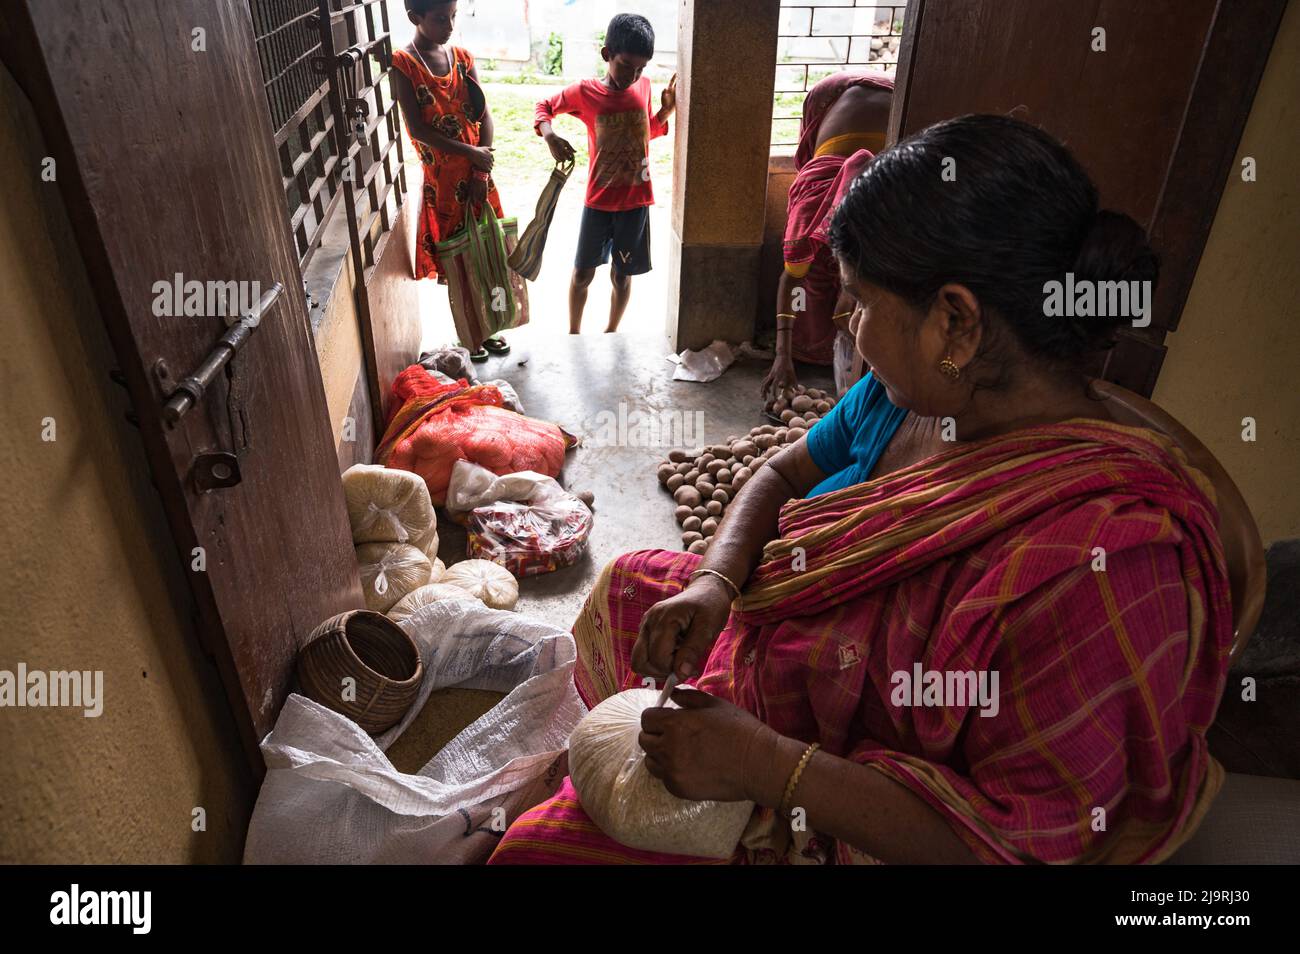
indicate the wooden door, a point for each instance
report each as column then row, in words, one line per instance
column 1155, row 117
column 167, row 163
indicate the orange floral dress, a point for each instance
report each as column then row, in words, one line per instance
column 446, row 105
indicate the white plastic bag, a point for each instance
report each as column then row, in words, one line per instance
column 629, row 804
column 332, row 797
column 473, row 486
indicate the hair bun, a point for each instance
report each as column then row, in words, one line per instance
column 1114, row 249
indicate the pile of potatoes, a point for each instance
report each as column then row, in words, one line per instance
column 705, row 480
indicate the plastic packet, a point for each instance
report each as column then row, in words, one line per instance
column 629, row 804
column 544, row 533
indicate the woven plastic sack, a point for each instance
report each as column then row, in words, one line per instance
column 486, row 295
column 526, row 258
column 386, row 505
column 389, row 571
column 629, row 804
column 436, row 425
column 331, row 796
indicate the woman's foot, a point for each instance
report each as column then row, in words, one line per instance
column 496, row 345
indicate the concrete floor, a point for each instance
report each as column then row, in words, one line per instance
column 579, row 382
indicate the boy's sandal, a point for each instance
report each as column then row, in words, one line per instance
column 496, row 345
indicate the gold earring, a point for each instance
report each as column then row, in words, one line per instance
column 949, row 368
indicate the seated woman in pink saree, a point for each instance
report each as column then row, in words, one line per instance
column 977, row 620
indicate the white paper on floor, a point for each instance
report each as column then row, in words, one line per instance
column 707, row 364
column 332, row 797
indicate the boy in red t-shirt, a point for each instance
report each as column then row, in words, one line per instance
column 620, row 125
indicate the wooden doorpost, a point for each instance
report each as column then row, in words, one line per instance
column 727, row 71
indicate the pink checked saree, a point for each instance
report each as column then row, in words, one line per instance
column 1079, row 560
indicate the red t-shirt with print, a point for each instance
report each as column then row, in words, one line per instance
column 620, row 125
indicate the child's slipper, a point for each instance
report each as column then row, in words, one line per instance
column 497, row 345
column 479, row 356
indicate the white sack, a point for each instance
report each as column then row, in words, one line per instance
column 473, row 486
column 331, row 796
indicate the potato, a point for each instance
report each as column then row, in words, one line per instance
column 713, row 508
column 692, row 476
column 688, row 496
column 681, row 513
column 721, row 496
column 729, row 489
column 739, row 481
column 587, row 497
column 675, row 481
column 743, row 474
column 706, row 488
column 801, row 404
column 714, row 466
column 691, row 536
column 780, row 439
column 705, row 460
column 732, row 439
column 732, row 463
column 685, row 468
column 699, row 546
column 796, row 433
column 779, row 405
column 677, row 456
column 709, row 527
column 749, row 459
column 797, row 422
column 742, row 448
column 822, row 407
column 723, row 476
column 765, row 441
column 665, row 471
column 701, row 511
column 691, row 523
column 816, row 394
column 786, row 416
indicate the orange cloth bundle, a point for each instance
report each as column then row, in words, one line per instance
column 437, row 424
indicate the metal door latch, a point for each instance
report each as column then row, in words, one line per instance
column 191, row 390
column 215, row 471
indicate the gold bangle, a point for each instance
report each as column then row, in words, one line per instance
column 730, row 585
column 843, row 314
column 786, row 314
column 794, row 778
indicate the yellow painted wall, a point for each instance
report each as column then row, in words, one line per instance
column 91, row 579
column 1236, row 353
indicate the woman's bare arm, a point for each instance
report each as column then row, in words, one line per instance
column 750, row 520
column 856, row 804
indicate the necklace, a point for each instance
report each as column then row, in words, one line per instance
column 426, row 62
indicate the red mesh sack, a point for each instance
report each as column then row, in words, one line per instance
column 435, row 425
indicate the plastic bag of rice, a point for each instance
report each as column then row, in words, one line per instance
column 389, row 571
column 429, row 593
column 389, row 506
column 629, row 804
column 485, row 580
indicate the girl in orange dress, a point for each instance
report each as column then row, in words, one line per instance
column 450, row 125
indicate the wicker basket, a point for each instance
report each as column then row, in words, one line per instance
column 373, row 650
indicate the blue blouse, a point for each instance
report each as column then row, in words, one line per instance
column 848, row 441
